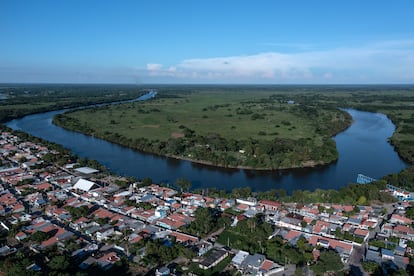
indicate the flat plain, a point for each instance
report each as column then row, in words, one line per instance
column 244, row 127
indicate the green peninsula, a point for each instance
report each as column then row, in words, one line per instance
column 240, row 127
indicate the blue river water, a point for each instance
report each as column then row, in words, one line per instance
column 363, row 148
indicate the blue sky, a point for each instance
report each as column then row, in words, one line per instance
column 223, row 41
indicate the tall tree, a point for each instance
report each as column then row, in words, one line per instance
column 184, row 184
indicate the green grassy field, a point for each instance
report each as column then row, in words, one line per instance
column 204, row 113
column 254, row 128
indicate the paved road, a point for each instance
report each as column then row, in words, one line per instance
column 355, row 260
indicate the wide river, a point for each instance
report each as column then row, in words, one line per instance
column 363, row 148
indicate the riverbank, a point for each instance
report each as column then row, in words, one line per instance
column 309, row 164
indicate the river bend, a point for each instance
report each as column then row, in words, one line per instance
column 363, row 148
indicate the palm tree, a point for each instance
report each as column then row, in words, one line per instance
column 251, row 223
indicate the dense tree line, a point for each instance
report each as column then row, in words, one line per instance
column 353, row 194
column 403, row 179
column 29, row 99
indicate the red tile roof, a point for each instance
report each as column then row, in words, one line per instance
column 136, row 239
column 361, row 232
column 43, row 186
column 267, row 265
column 111, row 257
column 292, row 234
column 102, row 213
column 180, row 237
column 332, row 242
column 272, row 203
column 402, row 219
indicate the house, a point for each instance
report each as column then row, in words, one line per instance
column 369, row 223
column 144, row 215
column 347, row 208
column 20, row 236
column 44, row 186
column 386, row 229
column 87, row 263
column 86, row 170
column 84, row 185
column 270, row 268
column 103, row 213
column 354, row 221
column 5, row 250
column 61, row 235
column 80, row 253
column 161, row 211
column 183, row 238
column 270, row 205
column 292, row 236
column 170, row 223
column 387, row 254
column 91, row 231
column 80, row 223
column 104, row 232
column 364, row 234
column 400, row 251
column 213, row 259
column 134, row 238
column 252, row 263
column 401, row 262
column 17, row 208
column 162, row 271
column 239, row 258
column 288, row 223
column 135, row 225
column 108, row 260
column 373, row 255
column 226, row 203
column 395, row 218
column 242, row 207
column 202, row 248
column 344, row 249
column 252, row 202
column 148, row 198
column 403, row 231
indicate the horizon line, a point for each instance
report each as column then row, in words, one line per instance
column 207, row 84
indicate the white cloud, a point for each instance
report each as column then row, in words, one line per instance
column 389, row 61
column 154, row 66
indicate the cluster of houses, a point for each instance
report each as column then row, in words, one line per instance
column 255, row 264
column 67, row 202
